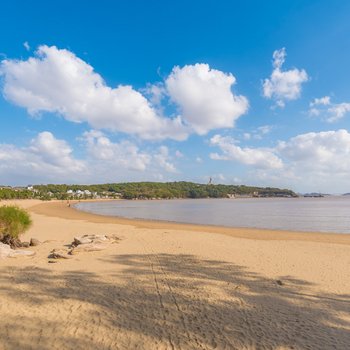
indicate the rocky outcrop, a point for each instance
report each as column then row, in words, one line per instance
column 90, row 243
column 85, row 239
column 84, row 243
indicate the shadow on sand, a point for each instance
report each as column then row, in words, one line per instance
column 162, row 301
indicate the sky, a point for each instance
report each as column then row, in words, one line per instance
column 243, row 92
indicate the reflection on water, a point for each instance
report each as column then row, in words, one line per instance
column 328, row 214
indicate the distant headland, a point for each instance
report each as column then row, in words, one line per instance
column 141, row 190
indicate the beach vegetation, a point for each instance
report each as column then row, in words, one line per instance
column 143, row 190
column 14, row 221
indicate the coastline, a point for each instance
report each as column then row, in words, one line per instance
column 173, row 286
column 60, row 209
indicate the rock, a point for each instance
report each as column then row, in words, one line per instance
column 86, row 239
column 11, row 241
column 91, row 243
column 52, row 261
column 25, row 244
column 17, row 253
column 34, row 242
column 89, row 247
column 89, row 239
column 81, row 240
column 279, row 282
column 7, row 252
column 113, row 238
column 99, row 237
column 99, row 241
column 59, row 254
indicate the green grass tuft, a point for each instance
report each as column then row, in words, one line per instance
column 14, row 221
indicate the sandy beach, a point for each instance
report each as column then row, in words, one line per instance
column 174, row 286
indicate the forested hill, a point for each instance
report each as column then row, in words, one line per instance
column 145, row 190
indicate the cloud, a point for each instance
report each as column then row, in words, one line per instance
column 106, row 156
column 162, row 158
column 204, row 97
column 219, row 177
column 309, row 162
column 256, row 157
column 327, row 151
column 315, row 161
column 57, row 81
column 45, row 159
column 111, row 155
column 48, row 159
column 258, row 133
column 338, row 111
column 54, row 152
column 331, row 112
column 282, row 85
column 264, row 129
column 178, row 154
column 26, row 45
column 325, row 101
column 155, row 93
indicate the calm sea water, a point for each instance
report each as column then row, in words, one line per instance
column 328, row 214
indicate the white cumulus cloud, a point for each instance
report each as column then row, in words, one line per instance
column 113, row 155
column 205, row 98
column 338, row 111
column 327, row 151
column 55, row 80
column 325, row 101
column 331, row 112
column 282, row 85
column 163, row 159
column 49, row 159
column 257, row 134
column 308, row 162
column 257, row 157
column 45, row 159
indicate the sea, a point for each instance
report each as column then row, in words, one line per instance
column 325, row 214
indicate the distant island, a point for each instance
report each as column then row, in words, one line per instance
column 315, row 195
column 141, row 190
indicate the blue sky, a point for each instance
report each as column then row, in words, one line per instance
column 245, row 92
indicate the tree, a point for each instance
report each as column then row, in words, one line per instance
column 14, row 221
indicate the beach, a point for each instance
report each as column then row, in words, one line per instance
column 174, row 286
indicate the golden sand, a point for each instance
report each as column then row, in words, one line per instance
column 174, row 286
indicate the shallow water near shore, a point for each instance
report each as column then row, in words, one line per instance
column 328, row 214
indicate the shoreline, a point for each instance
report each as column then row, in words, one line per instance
column 61, row 210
